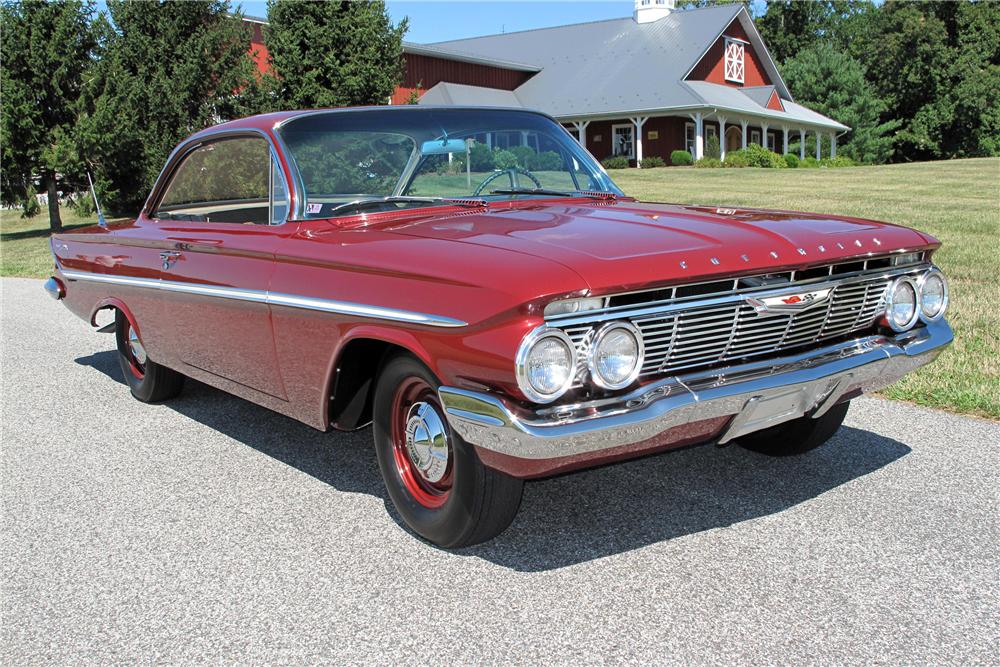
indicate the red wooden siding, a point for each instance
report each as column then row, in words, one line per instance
column 258, row 51
column 423, row 72
column 774, row 102
column 711, row 67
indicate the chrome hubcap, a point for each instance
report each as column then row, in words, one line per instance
column 135, row 347
column 426, row 441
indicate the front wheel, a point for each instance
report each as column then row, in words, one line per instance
column 436, row 481
column 797, row 436
column 149, row 381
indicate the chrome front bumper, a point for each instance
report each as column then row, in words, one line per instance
column 758, row 395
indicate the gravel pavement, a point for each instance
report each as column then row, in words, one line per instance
column 207, row 529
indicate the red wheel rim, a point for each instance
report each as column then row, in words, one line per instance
column 134, row 351
column 421, row 447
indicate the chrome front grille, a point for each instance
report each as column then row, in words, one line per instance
column 711, row 331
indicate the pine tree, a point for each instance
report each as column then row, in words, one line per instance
column 166, row 69
column 332, row 54
column 833, row 83
column 45, row 50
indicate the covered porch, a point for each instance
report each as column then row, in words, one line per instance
column 640, row 136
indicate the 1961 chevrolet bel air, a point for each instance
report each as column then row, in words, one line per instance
column 496, row 314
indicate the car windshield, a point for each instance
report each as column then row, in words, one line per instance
column 385, row 159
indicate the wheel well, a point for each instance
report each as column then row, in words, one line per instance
column 353, row 382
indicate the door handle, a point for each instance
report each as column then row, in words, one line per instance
column 168, row 257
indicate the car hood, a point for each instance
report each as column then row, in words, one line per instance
column 624, row 245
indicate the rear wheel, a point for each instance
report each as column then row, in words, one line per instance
column 149, row 381
column 797, row 436
column 436, row 481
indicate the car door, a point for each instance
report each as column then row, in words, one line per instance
column 217, row 222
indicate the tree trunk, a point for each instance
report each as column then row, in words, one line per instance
column 55, row 222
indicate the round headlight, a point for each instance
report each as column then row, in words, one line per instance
column 933, row 295
column 901, row 305
column 615, row 356
column 546, row 364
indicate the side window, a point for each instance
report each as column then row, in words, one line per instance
column 224, row 181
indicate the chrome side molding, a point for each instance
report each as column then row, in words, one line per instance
column 273, row 299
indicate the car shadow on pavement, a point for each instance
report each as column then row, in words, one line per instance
column 577, row 517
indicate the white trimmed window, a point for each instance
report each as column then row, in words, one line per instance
column 689, row 137
column 623, row 140
column 735, row 50
column 755, row 137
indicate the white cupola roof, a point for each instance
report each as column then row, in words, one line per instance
column 647, row 11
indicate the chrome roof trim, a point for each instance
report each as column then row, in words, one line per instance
column 274, row 299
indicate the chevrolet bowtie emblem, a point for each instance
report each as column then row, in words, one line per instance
column 788, row 302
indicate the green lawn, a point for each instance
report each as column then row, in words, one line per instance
column 957, row 201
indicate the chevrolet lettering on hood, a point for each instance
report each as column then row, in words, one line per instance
column 493, row 319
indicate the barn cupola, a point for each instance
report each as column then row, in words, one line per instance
column 647, row 11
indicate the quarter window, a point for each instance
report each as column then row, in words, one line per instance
column 225, row 181
column 735, row 51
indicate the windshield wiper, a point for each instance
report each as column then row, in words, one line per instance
column 401, row 199
column 555, row 193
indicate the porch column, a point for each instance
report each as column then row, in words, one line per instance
column 638, row 121
column 581, row 130
column 784, row 131
column 802, row 144
column 763, row 135
column 722, row 137
column 818, row 142
column 833, row 144
column 744, row 123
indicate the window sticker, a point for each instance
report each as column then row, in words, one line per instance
column 314, row 208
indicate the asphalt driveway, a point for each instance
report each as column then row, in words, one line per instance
column 210, row 530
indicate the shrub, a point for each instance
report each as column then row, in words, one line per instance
column 712, row 148
column 545, row 161
column 708, row 163
column 615, row 162
column 681, row 158
column 791, row 160
column 758, row 156
column 652, row 161
column 481, row 157
column 736, row 159
column 523, row 154
column 504, row 159
column 839, row 161
column 809, row 163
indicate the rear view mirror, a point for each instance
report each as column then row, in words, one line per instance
column 442, row 146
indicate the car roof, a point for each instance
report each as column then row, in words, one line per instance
column 268, row 121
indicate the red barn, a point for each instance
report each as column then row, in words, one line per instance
column 658, row 81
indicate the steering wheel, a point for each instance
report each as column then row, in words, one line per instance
column 512, row 174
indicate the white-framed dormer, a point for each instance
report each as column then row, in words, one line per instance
column 623, row 140
column 734, row 60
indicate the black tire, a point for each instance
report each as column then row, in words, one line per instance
column 479, row 502
column 149, row 381
column 797, row 436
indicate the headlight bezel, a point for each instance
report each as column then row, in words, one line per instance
column 596, row 377
column 890, row 302
column 921, row 281
column 521, row 364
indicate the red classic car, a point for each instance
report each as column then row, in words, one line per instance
column 473, row 284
